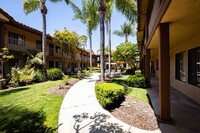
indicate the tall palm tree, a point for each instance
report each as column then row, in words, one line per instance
column 32, row 5
column 89, row 16
column 102, row 10
column 128, row 8
column 126, row 30
column 109, row 8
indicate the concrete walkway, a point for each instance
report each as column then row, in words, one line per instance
column 185, row 113
column 80, row 112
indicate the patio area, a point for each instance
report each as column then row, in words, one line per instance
column 185, row 113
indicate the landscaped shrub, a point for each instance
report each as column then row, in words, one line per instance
column 14, row 75
column 66, row 80
column 95, row 68
column 80, row 75
column 55, row 74
column 38, row 76
column 138, row 72
column 108, row 93
column 137, row 81
column 86, row 73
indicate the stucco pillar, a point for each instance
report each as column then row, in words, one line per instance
column 164, row 71
column 147, row 65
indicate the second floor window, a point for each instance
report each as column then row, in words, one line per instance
column 16, row 39
column 57, row 49
column 39, row 44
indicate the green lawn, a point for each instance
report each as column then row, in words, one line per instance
column 29, row 108
column 138, row 93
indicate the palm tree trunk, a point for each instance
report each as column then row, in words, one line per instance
column 109, row 44
column 44, row 12
column 90, row 37
column 102, row 37
column 126, row 38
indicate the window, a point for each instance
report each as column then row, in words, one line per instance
column 180, row 66
column 194, row 66
column 16, row 39
column 57, row 49
column 51, row 49
column 39, row 44
column 157, row 65
column 57, row 64
column 51, row 64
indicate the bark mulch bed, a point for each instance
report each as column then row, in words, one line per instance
column 137, row 113
column 62, row 90
column 134, row 112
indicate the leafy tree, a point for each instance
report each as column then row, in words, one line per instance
column 127, row 52
column 126, row 30
column 82, row 41
column 89, row 16
column 32, row 5
column 70, row 43
column 4, row 56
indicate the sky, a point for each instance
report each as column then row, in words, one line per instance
column 60, row 15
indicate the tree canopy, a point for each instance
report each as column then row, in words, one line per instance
column 127, row 52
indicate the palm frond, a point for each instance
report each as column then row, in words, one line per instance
column 31, row 5
column 119, row 33
column 128, row 8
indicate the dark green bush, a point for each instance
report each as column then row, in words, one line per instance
column 137, row 81
column 38, row 76
column 108, row 93
column 55, row 74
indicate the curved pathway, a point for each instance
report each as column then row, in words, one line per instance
column 80, row 112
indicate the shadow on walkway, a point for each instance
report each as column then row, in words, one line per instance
column 97, row 123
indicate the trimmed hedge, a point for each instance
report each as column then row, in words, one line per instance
column 138, row 81
column 55, row 74
column 108, row 93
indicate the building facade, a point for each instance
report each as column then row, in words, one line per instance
column 169, row 40
column 20, row 39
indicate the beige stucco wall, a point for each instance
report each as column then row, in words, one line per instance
column 191, row 91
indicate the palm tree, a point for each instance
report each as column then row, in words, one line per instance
column 109, row 8
column 32, row 5
column 126, row 30
column 88, row 15
column 102, row 10
column 128, row 8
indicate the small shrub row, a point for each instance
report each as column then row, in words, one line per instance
column 55, row 74
column 138, row 81
column 108, row 93
column 81, row 74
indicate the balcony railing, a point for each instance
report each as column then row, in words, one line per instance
column 15, row 44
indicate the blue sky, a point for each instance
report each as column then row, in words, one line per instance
column 60, row 15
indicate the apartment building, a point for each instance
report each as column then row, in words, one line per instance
column 169, row 40
column 20, row 38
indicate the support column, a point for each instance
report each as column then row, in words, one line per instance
column 164, row 72
column 147, row 65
